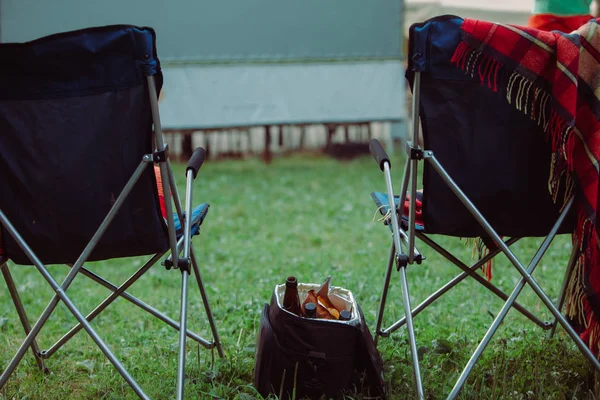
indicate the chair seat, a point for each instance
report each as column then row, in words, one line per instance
column 381, row 201
column 198, row 214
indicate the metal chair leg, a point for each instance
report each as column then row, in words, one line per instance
column 386, row 285
column 411, row 332
column 120, row 291
column 467, row 272
column 470, row 271
column 504, row 311
column 14, row 294
column 526, row 278
column 209, row 315
column 61, row 296
column 563, row 290
column 182, row 335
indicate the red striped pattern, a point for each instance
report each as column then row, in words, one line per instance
column 553, row 76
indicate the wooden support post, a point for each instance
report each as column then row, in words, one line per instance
column 267, row 156
column 186, row 145
column 301, row 140
column 207, row 146
column 330, row 133
column 280, row 135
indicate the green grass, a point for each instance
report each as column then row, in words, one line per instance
column 307, row 216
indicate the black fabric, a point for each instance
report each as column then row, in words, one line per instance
column 498, row 156
column 331, row 357
column 75, row 122
column 87, row 61
column 63, row 163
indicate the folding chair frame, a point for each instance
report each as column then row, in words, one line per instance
column 416, row 154
column 184, row 262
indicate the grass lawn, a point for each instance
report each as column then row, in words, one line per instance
column 308, row 216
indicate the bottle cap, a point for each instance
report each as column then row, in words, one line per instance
column 345, row 315
column 310, row 309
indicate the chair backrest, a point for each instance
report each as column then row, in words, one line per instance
column 75, row 122
column 497, row 155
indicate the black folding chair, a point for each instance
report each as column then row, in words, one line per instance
column 80, row 137
column 485, row 175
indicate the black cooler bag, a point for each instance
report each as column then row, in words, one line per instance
column 315, row 356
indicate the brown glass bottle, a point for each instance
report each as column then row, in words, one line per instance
column 310, row 310
column 291, row 301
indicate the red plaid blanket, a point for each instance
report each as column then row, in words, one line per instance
column 555, row 79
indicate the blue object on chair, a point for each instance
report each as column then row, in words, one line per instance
column 198, row 215
column 381, row 201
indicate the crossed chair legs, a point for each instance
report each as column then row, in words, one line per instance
column 117, row 291
column 397, row 256
column 120, row 291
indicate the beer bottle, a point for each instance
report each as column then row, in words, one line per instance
column 345, row 315
column 310, row 310
column 291, row 301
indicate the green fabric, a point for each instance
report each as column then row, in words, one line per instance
column 562, row 7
